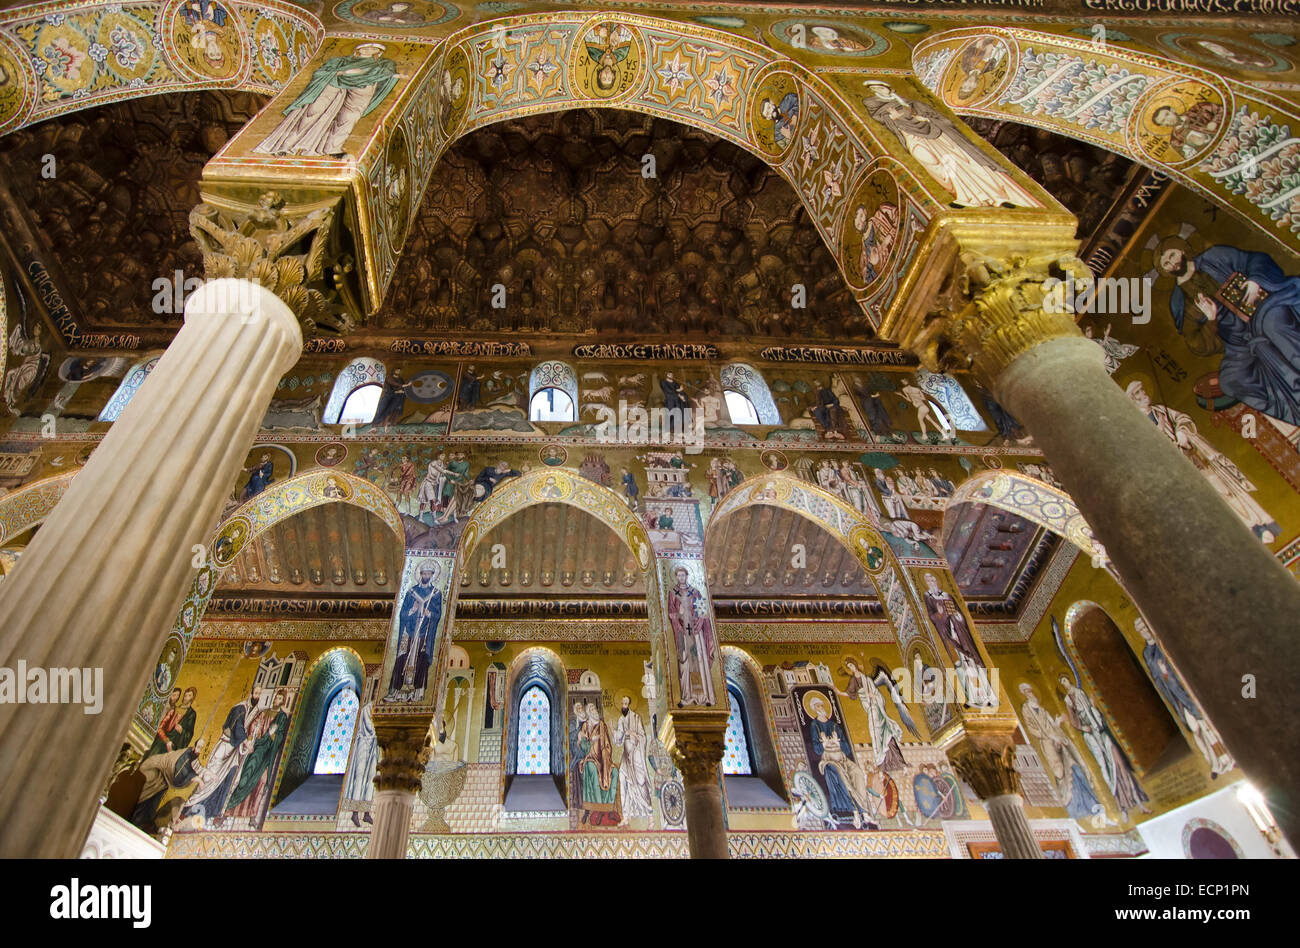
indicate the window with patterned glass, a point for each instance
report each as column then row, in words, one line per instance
column 534, row 748
column 336, row 734
column 735, row 755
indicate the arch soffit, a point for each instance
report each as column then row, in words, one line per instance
column 265, row 44
column 249, row 521
column 1112, row 94
column 30, row 504
column 847, row 153
column 1028, row 497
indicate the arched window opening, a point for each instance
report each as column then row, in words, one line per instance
column 135, row 377
column 751, row 769
column 552, row 404
column 534, row 751
column 735, row 755
column 740, row 408
column 1143, row 724
column 553, row 392
column 534, row 775
column 356, row 392
column 336, row 733
column 360, row 405
column 749, row 400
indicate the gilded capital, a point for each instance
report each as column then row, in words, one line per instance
column 697, row 741
column 404, row 747
column 287, row 249
column 986, row 761
column 999, row 310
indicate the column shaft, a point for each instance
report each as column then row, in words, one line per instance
column 1011, row 827
column 1221, row 604
column 697, row 740
column 404, row 747
column 100, row 585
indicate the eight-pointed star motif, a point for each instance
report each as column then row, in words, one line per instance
column 720, row 86
column 675, row 74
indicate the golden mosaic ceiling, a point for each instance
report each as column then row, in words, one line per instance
column 600, row 222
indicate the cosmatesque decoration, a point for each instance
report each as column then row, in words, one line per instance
column 264, row 243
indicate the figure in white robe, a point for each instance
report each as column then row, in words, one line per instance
column 934, row 140
column 342, row 91
column 634, row 779
column 359, row 786
column 1226, row 478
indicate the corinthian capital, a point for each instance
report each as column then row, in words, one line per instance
column 998, row 309
column 286, row 249
column 986, row 761
column 404, row 747
column 696, row 740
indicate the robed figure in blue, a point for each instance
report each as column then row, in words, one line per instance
column 1240, row 303
column 418, row 630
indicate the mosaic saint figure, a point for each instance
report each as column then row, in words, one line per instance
column 259, row 477
column 1059, row 753
column 1226, row 478
column 974, row 179
column 417, row 632
column 176, row 726
column 359, row 786
column 886, row 733
column 952, row 627
column 174, row 770
column 600, row 783
column 688, row 615
column 878, row 231
column 252, row 791
column 1241, row 304
column 783, row 115
column 208, row 801
column 342, row 91
column 1110, row 757
column 1187, row 709
column 634, row 778
column 846, row 784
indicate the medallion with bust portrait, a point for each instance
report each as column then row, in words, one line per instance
column 397, row 14
column 206, row 39
column 774, row 113
column 1177, row 122
column 829, row 39
column 1226, row 53
column 606, row 60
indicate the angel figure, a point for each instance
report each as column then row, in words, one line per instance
column 612, row 44
column 886, row 733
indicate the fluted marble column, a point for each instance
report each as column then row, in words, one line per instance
column 403, row 753
column 697, row 741
column 986, row 761
column 100, row 584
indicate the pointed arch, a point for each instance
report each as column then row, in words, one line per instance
column 1103, row 93
column 246, row 523
column 30, row 504
column 335, row 670
column 355, row 375
column 852, row 529
column 558, row 376
column 1030, row 498
column 274, row 40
